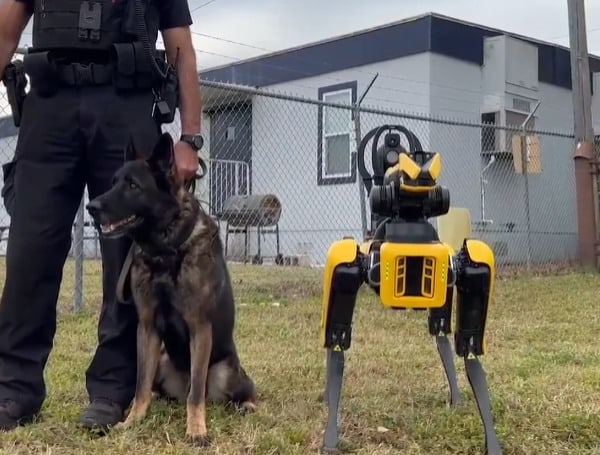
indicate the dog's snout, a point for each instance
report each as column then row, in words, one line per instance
column 94, row 207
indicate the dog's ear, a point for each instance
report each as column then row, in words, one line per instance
column 130, row 153
column 162, row 155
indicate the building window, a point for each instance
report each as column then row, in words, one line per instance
column 336, row 155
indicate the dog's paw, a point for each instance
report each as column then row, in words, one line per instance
column 120, row 426
column 247, row 407
column 199, row 440
column 127, row 423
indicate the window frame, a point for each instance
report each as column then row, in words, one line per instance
column 323, row 178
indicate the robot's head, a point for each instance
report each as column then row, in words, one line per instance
column 403, row 182
column 416, row 170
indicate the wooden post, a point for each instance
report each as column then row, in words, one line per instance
column 584, row 156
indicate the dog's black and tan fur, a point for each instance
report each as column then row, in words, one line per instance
column 181, row 287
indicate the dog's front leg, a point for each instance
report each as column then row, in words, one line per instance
column 200, row 349
column 148, row 354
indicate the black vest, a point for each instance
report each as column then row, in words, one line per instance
column 89, row 25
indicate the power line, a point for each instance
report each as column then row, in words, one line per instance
column 218, row 38
column 203, row 5
column 589, row 31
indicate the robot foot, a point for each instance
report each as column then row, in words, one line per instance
column 478, row 382
column 333, row 394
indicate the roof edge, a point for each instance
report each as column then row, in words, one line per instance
column 382, row 27
column 319, row 42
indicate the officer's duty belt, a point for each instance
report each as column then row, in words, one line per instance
column 79, row 74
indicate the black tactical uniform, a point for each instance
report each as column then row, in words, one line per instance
column 90, row 97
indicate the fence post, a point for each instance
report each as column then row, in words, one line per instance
column 78, row 253
column 525, row 167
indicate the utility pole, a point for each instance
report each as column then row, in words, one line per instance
column 584, row 156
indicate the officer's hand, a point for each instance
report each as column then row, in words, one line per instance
column 186, row 161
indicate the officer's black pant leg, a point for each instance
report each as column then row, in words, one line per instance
column 112, row 372
column 48, row 186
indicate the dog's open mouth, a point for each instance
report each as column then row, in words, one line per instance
column 116, row 226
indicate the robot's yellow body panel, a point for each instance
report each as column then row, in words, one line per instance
column 409, row 267
column 413, row 275
column 480, row 253
column 340, row 253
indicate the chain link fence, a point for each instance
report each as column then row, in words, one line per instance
column 519, row 189
column 283, row 181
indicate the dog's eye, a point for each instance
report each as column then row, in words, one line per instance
column 132, row 185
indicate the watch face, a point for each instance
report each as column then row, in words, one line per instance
column 198, row 141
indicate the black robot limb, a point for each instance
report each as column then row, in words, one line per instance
column 408, row 267
column 440, row 326
column 474, row 285
column 344, row 274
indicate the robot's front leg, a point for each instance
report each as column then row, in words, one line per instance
column 440, row 327
column 475, row 285
column 343, row 277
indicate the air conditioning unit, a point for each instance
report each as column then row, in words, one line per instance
column 495, row 139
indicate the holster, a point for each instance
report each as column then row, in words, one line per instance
column 42, row 73
column 15, row 82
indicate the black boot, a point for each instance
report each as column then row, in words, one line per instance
column 101, row 415
column 13, row 414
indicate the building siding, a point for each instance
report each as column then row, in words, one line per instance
column 285, row 145
column 431, row 32
column 552, row 204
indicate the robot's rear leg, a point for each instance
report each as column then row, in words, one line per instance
column 440, row 326
column 475, row 284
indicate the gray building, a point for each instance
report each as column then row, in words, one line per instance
column 430, row 65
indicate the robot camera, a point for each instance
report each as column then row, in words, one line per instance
column 392, row 140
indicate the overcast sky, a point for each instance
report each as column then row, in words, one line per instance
column 240, row 29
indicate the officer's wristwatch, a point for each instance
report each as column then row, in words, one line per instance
column 196, row 141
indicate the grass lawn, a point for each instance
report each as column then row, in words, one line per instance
column 543, row 369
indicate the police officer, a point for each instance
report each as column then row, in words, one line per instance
column 93, row 91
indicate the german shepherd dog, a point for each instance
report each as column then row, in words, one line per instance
column 181, row 288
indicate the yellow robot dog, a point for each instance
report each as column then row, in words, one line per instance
column 408, row 267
